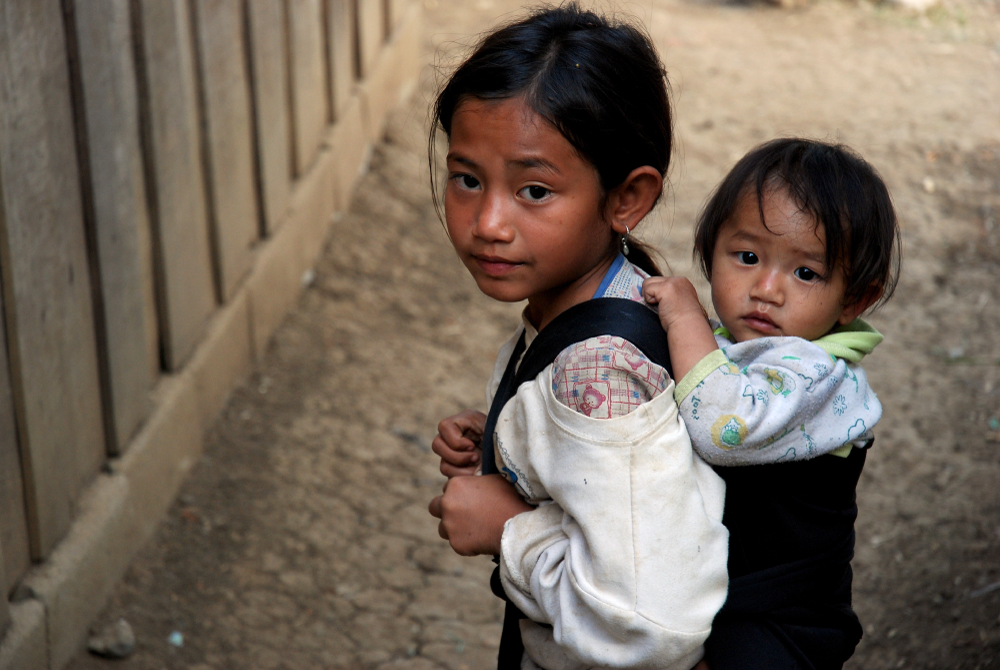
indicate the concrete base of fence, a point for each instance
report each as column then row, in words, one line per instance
column 121, row 508
column 24, row 644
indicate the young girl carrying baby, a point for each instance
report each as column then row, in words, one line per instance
column 606, row 526
column 610, row 540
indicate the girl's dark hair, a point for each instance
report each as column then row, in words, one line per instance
column 598, row 81
column 842, row 192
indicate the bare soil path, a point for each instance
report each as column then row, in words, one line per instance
column 302, row 539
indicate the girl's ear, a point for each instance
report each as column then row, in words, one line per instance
column 854, row 310
column 633, row 198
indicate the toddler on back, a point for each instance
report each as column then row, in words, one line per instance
column 798, row 241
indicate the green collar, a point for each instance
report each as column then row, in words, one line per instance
column 851, row 342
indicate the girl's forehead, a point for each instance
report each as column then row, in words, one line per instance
column 510, row 131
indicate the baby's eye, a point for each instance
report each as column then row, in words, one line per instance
column 535, row 193
column 747, row 257
column 805, row 274
column 466, row 182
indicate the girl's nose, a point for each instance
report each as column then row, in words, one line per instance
column 767, row 287
column 493, row 222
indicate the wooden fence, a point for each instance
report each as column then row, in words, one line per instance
column 149, row 150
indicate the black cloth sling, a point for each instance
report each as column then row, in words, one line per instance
column 791, row 525
column 618, row 317
column 791, row 541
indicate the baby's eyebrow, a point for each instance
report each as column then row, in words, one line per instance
column 815, row 258
column 744, row 235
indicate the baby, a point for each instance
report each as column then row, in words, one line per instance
column 798, row 241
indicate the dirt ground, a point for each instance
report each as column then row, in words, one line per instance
column 302, row 539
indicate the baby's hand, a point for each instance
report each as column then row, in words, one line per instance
column 675, row 298
column 689, row 335
column 458, row 443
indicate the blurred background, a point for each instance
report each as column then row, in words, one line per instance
column 298, row 536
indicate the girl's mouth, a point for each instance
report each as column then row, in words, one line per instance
column 494, row 266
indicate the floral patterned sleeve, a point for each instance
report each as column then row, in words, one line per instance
column 606, row 377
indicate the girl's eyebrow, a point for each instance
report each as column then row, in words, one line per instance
column 534, row 164
column 453, row 158
column 521, row 163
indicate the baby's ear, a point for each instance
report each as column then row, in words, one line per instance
column 859, row 307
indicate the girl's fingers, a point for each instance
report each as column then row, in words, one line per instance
column 452, row 471
column 467, row 425
column 435, row 507
column 458, row 457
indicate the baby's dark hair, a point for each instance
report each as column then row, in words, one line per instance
column 838, row 188
column 598, row 81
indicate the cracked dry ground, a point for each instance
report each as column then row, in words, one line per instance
column 302, row 540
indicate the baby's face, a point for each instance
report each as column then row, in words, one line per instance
column 773, row 281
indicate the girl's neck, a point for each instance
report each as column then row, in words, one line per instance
column 547, row 305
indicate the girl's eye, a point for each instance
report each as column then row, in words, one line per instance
column 535, row 193
column 747, row 257
column 805, row 274
column 466, row 181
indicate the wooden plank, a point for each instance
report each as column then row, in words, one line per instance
column 269, row 79
column 4, row 606
column 13, row 517
column 395, row 11
column 174, row 183
column 119, row 215
column 227, row 141
column 342, row 53
column 370, row 33
column 46, row 284
column 308, row 78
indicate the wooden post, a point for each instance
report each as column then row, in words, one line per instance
column 174, row 183
column 395, row 11
column 342, row 51
column 46, row 284
column 4, row 606
column 13, row 518
column 227, row 140
column 307, row 62
column 118, row 210
column 370, row 33
column 269, row 83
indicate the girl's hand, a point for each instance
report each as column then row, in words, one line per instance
column 458, row 443
column 676, row 300
column 702, row 665
column 473, row 511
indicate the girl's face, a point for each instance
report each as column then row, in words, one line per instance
column 524, row 210
column 774, row 281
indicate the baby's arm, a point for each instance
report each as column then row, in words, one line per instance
column 689, row 335
column 775, row 399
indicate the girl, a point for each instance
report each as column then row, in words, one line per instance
column 606, row 527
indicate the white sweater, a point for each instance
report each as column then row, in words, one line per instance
column 623, row 562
